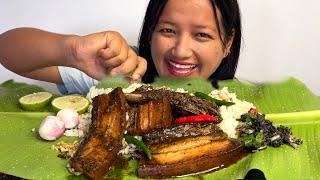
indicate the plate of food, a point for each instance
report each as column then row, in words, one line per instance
column 179, row 128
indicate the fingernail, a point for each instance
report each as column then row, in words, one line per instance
column 114, row 72
column 135, row 77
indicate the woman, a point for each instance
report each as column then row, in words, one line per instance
column 215, row 45
column 198, row 38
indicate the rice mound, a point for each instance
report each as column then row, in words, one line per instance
column 230, row 114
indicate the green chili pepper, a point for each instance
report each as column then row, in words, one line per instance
column 138, row 143
column 213, row 100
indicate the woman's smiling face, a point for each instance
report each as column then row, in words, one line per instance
column 186, row 40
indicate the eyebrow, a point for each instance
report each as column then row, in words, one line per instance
column 166, row 22
column 205, row 27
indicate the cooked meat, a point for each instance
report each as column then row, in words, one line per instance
column 134, row 98
column 154, row 114
column 192, row 155
column 182, row 103
column 131, row 119
column 102, row 143
column 181, row 131
column 188, row 148
column 177, row 149
column 168, row 153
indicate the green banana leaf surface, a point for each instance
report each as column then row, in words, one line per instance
column 288, row 103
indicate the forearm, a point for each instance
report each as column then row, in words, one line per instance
column 25, row 49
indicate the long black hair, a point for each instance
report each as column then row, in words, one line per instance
column 230, row 22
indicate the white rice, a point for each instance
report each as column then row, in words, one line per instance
column 131, row 88
column 128, row 149
column 230, row 114
column 73, row 132
column 181, row 90
column 93, row 92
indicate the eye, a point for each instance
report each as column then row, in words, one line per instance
column 204, row 36
column 166, row 31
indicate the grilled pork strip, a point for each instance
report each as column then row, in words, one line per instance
column 145, row 117
column 181, row 131
column 183, row 144
column 100, row 146
column 188, row 148
column 153, row 115
column 181, row 103
column 201, row 155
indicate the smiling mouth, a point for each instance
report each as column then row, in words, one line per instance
column 177, row 69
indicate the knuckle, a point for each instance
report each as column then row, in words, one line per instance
column 133, row 56
column 122, row 58
column 116, row 62
column 142, row 61
column 112, row 32
column 124, row 69
column 113, row 52
column 115, row 34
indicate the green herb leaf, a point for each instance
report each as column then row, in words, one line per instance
column 213, row 100
column 252, row 140
column 139, row 144
column 129, row 171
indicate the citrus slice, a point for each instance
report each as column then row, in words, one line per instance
column 35, row 101
column 77, row 103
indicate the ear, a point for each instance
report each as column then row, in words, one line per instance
column 229, row 44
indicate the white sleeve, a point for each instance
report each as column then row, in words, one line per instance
column 75, row 81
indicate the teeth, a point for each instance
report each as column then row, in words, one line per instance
column 180, row 66
column 183, row 71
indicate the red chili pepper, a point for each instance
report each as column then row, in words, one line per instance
column 197, row 118
column 253, row 111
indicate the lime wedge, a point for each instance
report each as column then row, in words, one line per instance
column 77, row 103
column 35, row 101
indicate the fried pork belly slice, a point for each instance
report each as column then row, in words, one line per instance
column 191, row 156
column 154, row 114
column 181, row 131
column 181, row 103
column 100, row 146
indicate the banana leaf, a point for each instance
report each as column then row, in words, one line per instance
column 11, row 91
column 288, row 103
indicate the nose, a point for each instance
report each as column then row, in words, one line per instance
column 183, row 47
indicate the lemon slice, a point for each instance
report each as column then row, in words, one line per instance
column 77, row 103
column 35, row 101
